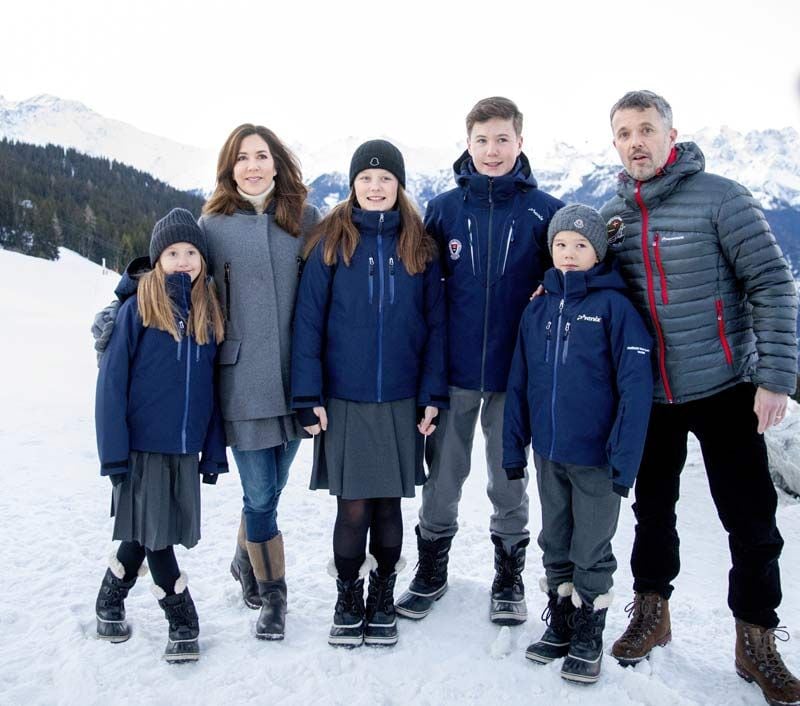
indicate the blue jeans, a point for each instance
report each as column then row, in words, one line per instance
column 263, row 474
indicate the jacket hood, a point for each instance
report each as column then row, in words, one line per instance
column 578, row 284
column 521, row 175
column 129, row 282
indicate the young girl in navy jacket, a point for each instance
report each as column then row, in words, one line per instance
column 579, row 390
column 155, row 411
column 368, row 378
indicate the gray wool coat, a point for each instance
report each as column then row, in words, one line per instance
column 706, row 274
column 255, row 265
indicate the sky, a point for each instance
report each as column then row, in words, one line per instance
column 192, row 71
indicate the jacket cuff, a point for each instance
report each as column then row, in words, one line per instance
column 306, row 416
column 210, row 478
column 306, row 402
column 621, row 490
column 515, row 472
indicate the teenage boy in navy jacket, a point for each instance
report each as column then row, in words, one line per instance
column 579, row 389
column 492, row 233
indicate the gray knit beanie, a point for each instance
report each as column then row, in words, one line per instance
column 378, row 154
column 178, row 226
column 580, row 219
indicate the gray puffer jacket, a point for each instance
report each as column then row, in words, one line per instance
column 255, row 264
column 706, row 274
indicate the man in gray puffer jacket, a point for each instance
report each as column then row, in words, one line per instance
column 706, row 274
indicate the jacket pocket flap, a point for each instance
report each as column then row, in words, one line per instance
column 229, row 352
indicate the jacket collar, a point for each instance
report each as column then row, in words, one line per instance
column 387, row 223
column 575, row 285
column 520, row 178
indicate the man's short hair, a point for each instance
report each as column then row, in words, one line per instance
column 642, row 100
column 495, row 107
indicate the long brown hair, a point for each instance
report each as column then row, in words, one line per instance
column 415, row 248
column 289, row 194
column 158, row 311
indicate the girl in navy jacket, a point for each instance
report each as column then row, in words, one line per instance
column 155, row 412
column 368, row 378
column 580, row 391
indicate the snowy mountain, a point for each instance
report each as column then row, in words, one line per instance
column 56, row 541
column 767, row 161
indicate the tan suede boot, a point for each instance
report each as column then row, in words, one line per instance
column 649, row 627
column 269, row 568
column 758, row 660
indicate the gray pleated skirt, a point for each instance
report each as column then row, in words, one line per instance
column 158, row 504
column 370, row 450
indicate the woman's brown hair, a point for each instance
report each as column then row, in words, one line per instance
column 158, row 311
column 289, row 194
column 415, row 248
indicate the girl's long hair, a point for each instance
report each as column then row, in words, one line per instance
column 415, row 248
column 289, row 193
column 158, row 311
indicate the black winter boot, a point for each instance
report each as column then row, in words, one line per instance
column 184, row 627
column 242, row 570
column 430, row 582
column 554, row 643
column 269, row 568
column 585, row 654
column 347, row 629
column 508, row 592
column 381, row 627
column 110, row 605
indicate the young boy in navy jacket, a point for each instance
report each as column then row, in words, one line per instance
column 579, row 391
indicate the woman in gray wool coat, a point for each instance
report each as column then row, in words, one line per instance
column 256, row 222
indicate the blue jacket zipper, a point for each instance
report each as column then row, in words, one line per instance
column 371, row 275
column 488, row 266
column 391, row 280
column 555, row 377
column 380, row 310
column 188, row 380
column 566, row 344
column 549, row 335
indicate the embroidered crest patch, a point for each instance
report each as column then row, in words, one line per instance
column 454, row 248
column 615, row 229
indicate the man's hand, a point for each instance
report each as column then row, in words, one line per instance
column 426, row 427
column 323, row 422
column 770, row 408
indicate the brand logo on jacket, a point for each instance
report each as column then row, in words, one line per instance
column 537, row 214
column 639, row 350
column 588, row 317
column 667, row 239
column 454, row 248
column 615, row 229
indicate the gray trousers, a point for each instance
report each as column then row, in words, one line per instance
column 579, row 519
column 449, row 451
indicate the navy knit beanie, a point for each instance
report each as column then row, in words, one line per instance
column 378, row 154
column 580, row 219
column 178, row 226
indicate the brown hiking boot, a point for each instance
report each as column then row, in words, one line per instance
column 649, row 627
column 758, row 660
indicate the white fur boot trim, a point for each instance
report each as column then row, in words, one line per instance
column 368, row 565
column 564, row 590
column 400, row 565
column 116, row 565
column 180, row 586
column 601, row 602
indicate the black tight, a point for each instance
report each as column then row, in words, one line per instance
column 381, row 517
column 162, row 563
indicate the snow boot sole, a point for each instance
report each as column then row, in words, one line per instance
column 416, row 606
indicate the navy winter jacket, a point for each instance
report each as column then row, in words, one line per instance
column 155, row 394
column 492, row 233
column 369, row 331
column 581, row 383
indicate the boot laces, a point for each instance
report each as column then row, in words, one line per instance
column 769, row 659
column 641, row 612
column 507, row 572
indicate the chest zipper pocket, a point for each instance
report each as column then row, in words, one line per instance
column 471, row 249
column 371, row 277
column 721, row 331
column 661, row 274
column 391, row 280
column 548, row 336
column 182, row 329
column 566, row 344
column 509, row 240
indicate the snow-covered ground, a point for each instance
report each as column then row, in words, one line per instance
column 56, row 532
